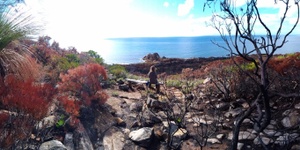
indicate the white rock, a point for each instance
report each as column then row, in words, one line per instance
column 141, row 134
column 213, row 141
column 297, row 106
column 220, row 136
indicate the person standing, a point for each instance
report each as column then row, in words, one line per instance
column 153, row 79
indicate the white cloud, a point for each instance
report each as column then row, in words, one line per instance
column 184, row 9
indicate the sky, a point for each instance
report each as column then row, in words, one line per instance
column 83, row 23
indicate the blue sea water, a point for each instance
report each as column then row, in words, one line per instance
column 132, row 50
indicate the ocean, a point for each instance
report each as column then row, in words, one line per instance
column 132, row 50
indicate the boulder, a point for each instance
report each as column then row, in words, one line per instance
column 52, row 145
column 68, row 141
column 136, row 107
column 81, row 139
column 113, row 139
column 142, row 137
column 151, row 57
column 149, row 119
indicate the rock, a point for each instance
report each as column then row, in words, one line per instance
column 265, row 140
column 68, row 141
column 233, row 113
column 286, row 138
column 149, row 119
column 52, row 145
column 297, row 106
column 47, row 122
column 201, row 120
column 81, row 139
column 113, row 139
column 151, row 57
column 272, row 133
column 222, row 106
column 220, row 136
column 213, row 141
column 131, row 121
column 291, row 120
column 124, row 87
column 156, row 104
column 120, row 122
column 243, row 135
column 142, row 136
column 178, row 136
column 240, row 146
column 295, row 147
column 136, row 107
column 207, row 80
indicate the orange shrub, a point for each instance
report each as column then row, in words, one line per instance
column 84, row 83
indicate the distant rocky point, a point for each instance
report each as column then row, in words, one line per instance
column 152, row 57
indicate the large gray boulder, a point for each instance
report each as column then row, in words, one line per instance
column 52, row 145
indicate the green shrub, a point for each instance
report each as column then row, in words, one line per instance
column 118, row 71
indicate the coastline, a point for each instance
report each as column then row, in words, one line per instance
column 169, row 65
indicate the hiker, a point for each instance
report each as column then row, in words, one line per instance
column 153, row 79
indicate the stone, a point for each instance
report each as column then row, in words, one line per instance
column 52, row 145
column 68, row 141
column 272, row 133
column 213, row 141
column 149, row 119
column 151, row 57
column 243, row 135
column 233, row 113
column 47, row 122
column 81, row 139
column 120, row 122
column 142, row 137
column 207, row 80
column 113, row 139
column 295, row 147
column 124, row 87
column 178, row 136
column 220, row 136
column 265, row 140
column 136, row 107
column 240, row 146
column 291, row 120
column 297, row 106
column 286, row 138
column 222, row 106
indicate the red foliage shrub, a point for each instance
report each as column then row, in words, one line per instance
column 23, row 104
column 84, row 83
column 71, row 106
column 27, row 96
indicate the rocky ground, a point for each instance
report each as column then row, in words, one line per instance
column 139, row 119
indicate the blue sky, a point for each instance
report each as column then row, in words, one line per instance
column 82, row 23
